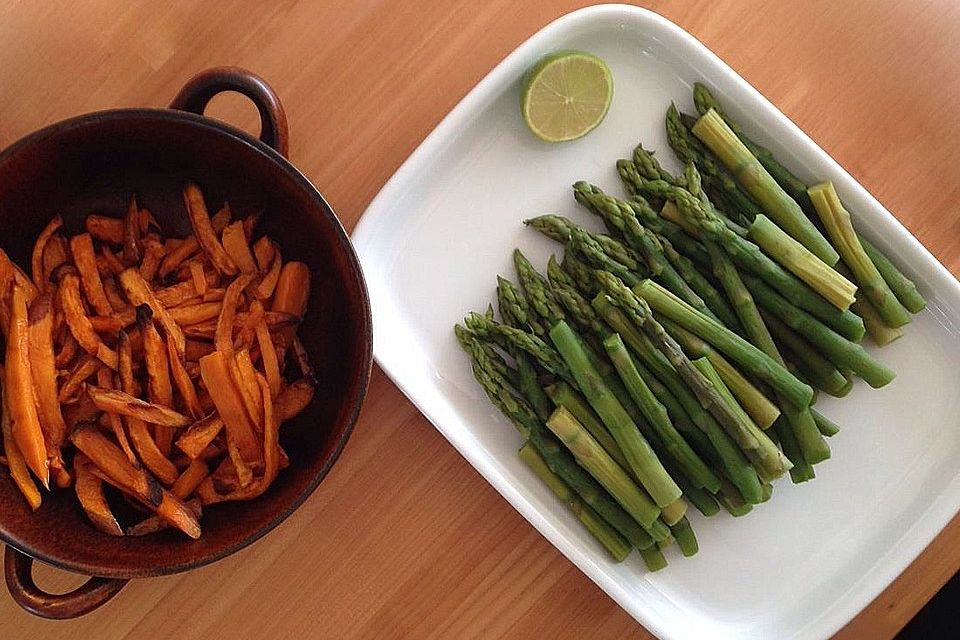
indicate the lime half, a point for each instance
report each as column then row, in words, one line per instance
column 566, row 95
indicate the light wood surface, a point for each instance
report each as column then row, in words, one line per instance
column 404, row 539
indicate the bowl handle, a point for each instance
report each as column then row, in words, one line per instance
column 200, row 89
column 18, row 569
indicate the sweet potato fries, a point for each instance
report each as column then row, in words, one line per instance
column 150, row 369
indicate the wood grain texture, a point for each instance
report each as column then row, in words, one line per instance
column 404, row 539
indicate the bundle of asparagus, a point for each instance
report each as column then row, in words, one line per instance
column 676, row 359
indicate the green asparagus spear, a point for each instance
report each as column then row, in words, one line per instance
column 731, row 459
column 821, row 371
column 563, row 395
column 746, row 254
column 545, row 355
column 514, row 308
column 877, row 329
column 699, row 283
column 515, row 313
column 843, row 353
column 465, row 337
column 686, row 540
column 653, row 558
column 802, row 470
column 656, row 414
column 827, row 427
column 733, row 502
column 640, row 456
column 608, row 537
column 715, row 134
column 701, row 499
column 558, row 228
column 902, row 286
column 840, row 229
column 580, row 272
column 542, row 303
column 754, row 361
column 586, row 249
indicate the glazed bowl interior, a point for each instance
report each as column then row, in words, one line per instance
column 93, row 164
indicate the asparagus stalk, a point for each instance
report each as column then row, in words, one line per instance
column 608, row 537
column 545, row 355
column 733, row 502
column 514, row 308
column 465, row 337
column 653, row 558
column 587, row 250
column 731, row 459
column 686, row 540
column 877, row 329
column 703, row 500
column 760, row 409
column 802, row 263
column 821, row 371
column 542, row 303
column 902, row 286
column 515, row 313
column 559, row 228
column 557, row 458
column 656, row 414
column 580, row 272
column 715, row 134
column 840, row 229
column 673, row 512
column 904, row 289
column 802, row 470
column 563, row 395
column 640, row 456
column 745, row 254
column 667, row 230
column 699, row 283
column 602, row 467
column 754, row 361
column 827, row 427
column 766, row 458
column 843, row 353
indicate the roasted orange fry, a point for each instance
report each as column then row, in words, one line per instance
column 86, row 366
column 21, row 393
column 148, row 222
column 195, row 473
column 155, row 524
column 89, row 488
column 15, row 461
column 195, row 439
column 199, row 277
column 139, row 292
column 105, row 228
column 248, row 377
column 132, row 247
column 116, row 300
column 159, row 387
column 235, row 244
column 153, row 252
column 105, row 381
column 67, row 351
column 291, row 295
column 111, row 462
column 190, row 246
column 197, row 349
column 82, row 410
column 216, row 375
column 263, row 251
column 127, row 405
column 81, row 247
column 68, row 289
column 43, row 373
column 249, row 224
column 112, row 324
column 293, row 399
column 195, row 313
column 183, row 382
column 271, row 367
column 203, row 230
column 268, row 281
column 54, row 255
column 248, row 326
column 111, row 263
column 178, row 294
column 275, row 320
column 36, row 259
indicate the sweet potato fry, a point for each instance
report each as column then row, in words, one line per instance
column 15, row 461
column 81, row 248
column 111, row 263
column 195, row 313
column 191, row 477
column 183, row 382
column 43, row 373
column 159, row 386
column 139, row 292
column 68, row 289
column 263, row 252
column 82, row 410
column 203, row 230
column 195, row 439
column 132, row 247
column 216, row 375
column 291, row 295
column 127, row 405
column 36, row 259
column 248, row 377
column 21, row 394
column 105, row 228
column 199, row 278
column 243, row 470
column 180, row 293
column 114, row 297
column 136, row 482
column 148, row 224
column 155, row 524
column 67, row 351
column 197, row 349
column 89, row 489
column 267, row 283
column 105, row 381
column 293, row 399
column 54, row 255
column 235, row 244
column 275, row 320
column 268, row 354
column 153, row 252
column 190, row 246
column 85, row 367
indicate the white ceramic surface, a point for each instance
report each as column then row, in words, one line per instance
column 432, row 241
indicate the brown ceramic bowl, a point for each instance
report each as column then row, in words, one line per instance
column 93, row 163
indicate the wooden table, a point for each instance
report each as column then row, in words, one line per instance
column 404, row 539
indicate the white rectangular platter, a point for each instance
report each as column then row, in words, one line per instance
column 433, row 240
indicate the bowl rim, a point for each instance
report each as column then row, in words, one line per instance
column 361, row 382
